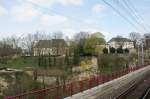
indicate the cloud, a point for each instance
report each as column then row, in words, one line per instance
column 49, row 3
column 41, row 2
column 98, row 8
column 24, row 12
column 51, row 20
column 3, row 11
column 69, row 32
column 71, row 2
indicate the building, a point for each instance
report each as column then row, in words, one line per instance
column 50, row 47
column 117, row 42
column 147, row 41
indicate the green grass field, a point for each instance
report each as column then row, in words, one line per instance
column 20, row 63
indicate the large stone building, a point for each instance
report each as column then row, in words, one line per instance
column 117, row 42
column 50, row 47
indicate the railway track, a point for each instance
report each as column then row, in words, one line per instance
column 125, row 93
column 146, row 94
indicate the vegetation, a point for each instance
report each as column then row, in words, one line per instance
column 117, row 51
column 22, row 83
column 20, row 62
column 105, row 50
column 112, row 62
column 120, row 50
column 91, row 45
column 112, row 50
column 134, row 36
column 126, row 50
column 80, row 52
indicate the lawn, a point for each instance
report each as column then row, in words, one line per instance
column 20, row 62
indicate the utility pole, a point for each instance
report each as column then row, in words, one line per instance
column 141, row 51
column 138, row 54
column 142, row 45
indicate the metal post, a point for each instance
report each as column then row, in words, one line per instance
column 81, row 86
column 138, row 55
column 142, row 54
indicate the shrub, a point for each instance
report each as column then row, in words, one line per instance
column 126, row 50
column 112, row 50
column 105, row 50
column 120, row 50
column 111, row 62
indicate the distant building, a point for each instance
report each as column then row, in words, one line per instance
column 147, row 41
column 147, row 46
column 50, row 47
column 117, row 42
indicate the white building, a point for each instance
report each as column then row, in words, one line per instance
column 50, row 47
column 117, row 42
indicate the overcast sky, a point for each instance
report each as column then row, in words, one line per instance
column 69, row 16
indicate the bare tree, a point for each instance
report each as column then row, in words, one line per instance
column 7, row 50
column 134, row 36
column 58, row 35
column 30, row 40
column 81, row 35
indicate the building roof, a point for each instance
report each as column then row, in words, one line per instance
column 51, row 43
column 119, row 39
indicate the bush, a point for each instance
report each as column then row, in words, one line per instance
column 126, row 50
column 105, row 50
column 120, row 50
column 112, row 50
column 111, row 62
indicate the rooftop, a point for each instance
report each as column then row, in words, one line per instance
column 51, row 43
column 119, row 39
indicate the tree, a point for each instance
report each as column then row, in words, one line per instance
column 58, row 35
column 67, row 62
column 91, row 45
column 81, row 36
column 30, row 41
column 14, row 43
column 120, row 50
column 134, row 36
column 49, row 60
column 80, row 39
column 126, row 50
column 105, row 50
column 7, row 50
column 112, row 50
column 108, row 63
column 76, row 56
column 97, row 35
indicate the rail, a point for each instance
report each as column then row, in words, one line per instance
column 123, row 94
column 145, row 96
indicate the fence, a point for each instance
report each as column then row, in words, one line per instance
column 59, row 92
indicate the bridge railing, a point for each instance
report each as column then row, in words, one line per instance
column 59, row 92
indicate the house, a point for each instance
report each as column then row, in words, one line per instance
column 117, row 42
column 50, row 47
column 147, row 41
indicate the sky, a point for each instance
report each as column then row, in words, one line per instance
column 20, row 17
